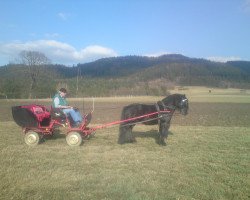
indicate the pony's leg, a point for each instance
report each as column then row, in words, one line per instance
column 131, row 137
column 122, row 135
column 125, row 135
column 163, row 132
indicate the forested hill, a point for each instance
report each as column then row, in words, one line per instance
column 174, row 68
column 126, row 65
column 244, row 66
column 171, row 66
column 125, row 75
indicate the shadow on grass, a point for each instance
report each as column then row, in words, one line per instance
column 149, row 134
column 57, row 135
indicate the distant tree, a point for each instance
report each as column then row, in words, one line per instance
column 34, row 60
column 11, row 89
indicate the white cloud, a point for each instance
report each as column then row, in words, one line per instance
column 58, row 52
column 246, row 6
column 52, row 35
column 63, row 16
column 223, row 59
column 157, row 54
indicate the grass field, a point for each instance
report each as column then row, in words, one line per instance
column 207, row 155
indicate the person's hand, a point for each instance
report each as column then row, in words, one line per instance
column 66, row 107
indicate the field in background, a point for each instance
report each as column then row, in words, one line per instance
column 204, row 94
column 207, row 155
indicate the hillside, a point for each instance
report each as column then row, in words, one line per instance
column 125, row 66
column 135, row 75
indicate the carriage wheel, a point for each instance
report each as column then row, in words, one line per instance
column 74, row 139
column 32, row 138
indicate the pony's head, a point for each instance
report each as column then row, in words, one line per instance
column 177, row 101
column 183, row 105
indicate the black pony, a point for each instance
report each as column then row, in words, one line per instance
column 162, row 113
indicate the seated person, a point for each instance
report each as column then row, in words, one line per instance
column 59, row 101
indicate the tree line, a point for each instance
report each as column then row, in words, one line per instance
column 36, row 77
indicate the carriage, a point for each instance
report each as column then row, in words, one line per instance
column 38, row 121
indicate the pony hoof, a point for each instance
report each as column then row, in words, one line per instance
column 162, row 143
column 120, row 142
column 133, row 141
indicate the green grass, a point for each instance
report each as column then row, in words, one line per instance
column 198, row 163
column 206, row 157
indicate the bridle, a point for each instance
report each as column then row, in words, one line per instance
column 183, row 103
column 181, row 106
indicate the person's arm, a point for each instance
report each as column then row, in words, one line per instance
column 57, row 104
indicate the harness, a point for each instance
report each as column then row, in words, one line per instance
column 161, row 113
column 183, row 103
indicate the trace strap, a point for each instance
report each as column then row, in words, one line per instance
column 130, row 119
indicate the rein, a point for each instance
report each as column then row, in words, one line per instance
column 166, row 109
column 131, row 119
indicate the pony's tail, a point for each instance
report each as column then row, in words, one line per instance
column 125, row 130
column 123, row 114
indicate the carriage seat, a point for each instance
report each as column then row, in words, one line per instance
column 58, row 115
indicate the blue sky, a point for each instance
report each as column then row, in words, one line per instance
column 78, row 31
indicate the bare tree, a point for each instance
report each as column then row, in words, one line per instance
column 34, row 60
